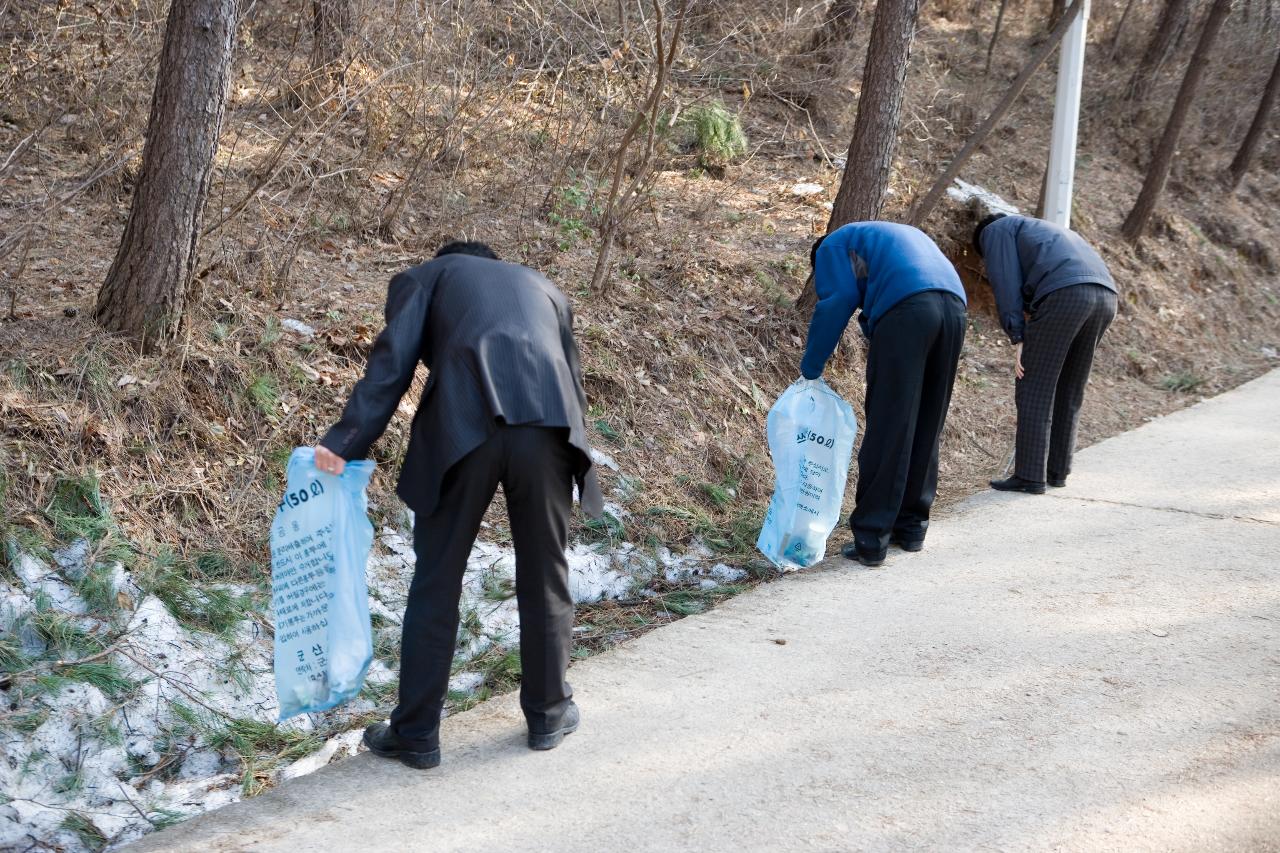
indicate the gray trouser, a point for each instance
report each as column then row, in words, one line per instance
column 1057, row 356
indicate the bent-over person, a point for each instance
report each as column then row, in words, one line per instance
column 913, row 313
column 1056, row 299
column 504, row 404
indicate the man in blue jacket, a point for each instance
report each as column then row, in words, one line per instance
column 913, row 312
column 1051, row 273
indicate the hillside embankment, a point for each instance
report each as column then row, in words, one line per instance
column 138, row 489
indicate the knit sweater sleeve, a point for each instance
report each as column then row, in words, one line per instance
column 840, row 293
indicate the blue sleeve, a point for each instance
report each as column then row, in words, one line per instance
column 839, row 295
column 1004, row 271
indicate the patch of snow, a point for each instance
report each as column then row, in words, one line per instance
column 334, row 748
column 127, row 591
column 727, row 574
column 39, row 578
column 594, row 575
column 692, row 568
column 14, row 605
column 179, row 665
column 684, row 568
column 227, row 677
column 980, row 197
column 377, row 608
column 299, row 327
column 201, row 764
column 465, row 682
column 379, row 673
column 74, row 559
column 639, row 564
column 12, row 831
column 627, row 488
column 143, row 749
column 805, row 189
column 599, row 457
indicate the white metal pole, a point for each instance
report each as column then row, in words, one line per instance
column 1066, row 119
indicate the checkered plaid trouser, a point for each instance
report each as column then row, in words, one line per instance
column 1057, row 355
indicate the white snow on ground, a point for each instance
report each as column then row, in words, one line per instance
column 14, row 604
column 137, row 760
column 967, row 193
column 334, row 748
column 299, row 327
column 92, row 754
column 599, row 457
column 40, row 579
column 682, row 568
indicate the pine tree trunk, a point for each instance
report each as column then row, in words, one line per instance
column 1172, row 19
column 875, row 132
column 145, row 291
column 1244, row 157
column 331, row 25
column 1158, row 173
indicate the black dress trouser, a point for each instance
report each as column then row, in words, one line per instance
column 535, row 466
column 911, row 368
column 1057, row 357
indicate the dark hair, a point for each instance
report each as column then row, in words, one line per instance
column 467, row 247
column 813, row 253
column 977, row 232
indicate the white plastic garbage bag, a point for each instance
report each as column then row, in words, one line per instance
column 811, row 433
column 320, row 542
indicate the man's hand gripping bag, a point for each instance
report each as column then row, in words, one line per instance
column 320, row 543
column 811, row 433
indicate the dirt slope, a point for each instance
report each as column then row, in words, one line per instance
column 478, row 122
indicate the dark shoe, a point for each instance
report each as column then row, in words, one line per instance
column 869, row 560
column 906, row 544
column 382, row 741
column 1057, row 482
column 550, row 740
column 1017, row 484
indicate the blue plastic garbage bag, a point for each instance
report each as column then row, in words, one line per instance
column 811, row 432
column 320, row 542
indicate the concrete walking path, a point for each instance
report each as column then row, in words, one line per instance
column 1095, row 669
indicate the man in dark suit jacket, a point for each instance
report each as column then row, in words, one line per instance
column 504, row 403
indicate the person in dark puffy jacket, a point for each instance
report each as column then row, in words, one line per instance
column 1056, row 299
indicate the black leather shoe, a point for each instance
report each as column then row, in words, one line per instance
column 382, row 741
column 1017, row 484
column 851, row 551
column 550, row 740
column 1057, row 482
column 907, row 544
